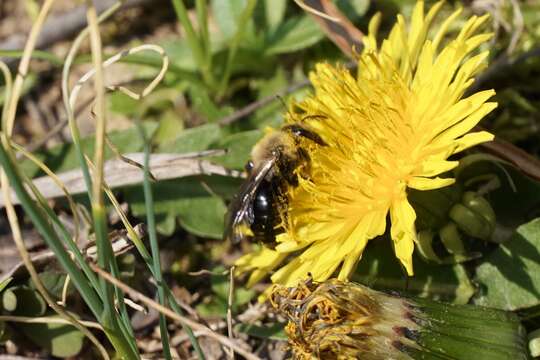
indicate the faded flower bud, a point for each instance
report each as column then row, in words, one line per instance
column 344, row 320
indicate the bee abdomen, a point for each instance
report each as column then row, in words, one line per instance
column 266, row 212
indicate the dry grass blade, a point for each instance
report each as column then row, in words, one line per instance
column 337, row 27
column 137, row 296
column 525, row 162
column 47, row 320
column 114, row 59
column 119, row 173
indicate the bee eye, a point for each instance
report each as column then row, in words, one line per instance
column 249, row 166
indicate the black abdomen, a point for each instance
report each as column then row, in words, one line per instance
column 266, row 212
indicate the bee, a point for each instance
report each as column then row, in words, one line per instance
column 276, row 162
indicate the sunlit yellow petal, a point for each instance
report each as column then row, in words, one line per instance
column 403, row 232
column 436, row 167
column 472, row 139
column 421, row 183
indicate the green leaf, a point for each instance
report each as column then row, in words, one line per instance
column 516, row 194
column 61, row 340
column 180, row 54
column 203, row 217
column 9, row 300
column 190, row 200
column 122, row 103
column 380, row 269
column 294, row 34
column 36, row 54
column 165, row 223
column 170, row 125
column 354, row 9
column 217, row 304
column 194, row 139
column 205, row 106
column 229, row 13
column 271, row 114
column 28, row 301
column 510, row 275
column 64, row 157
column 238, row 148
column 274, row 11
column 54, row 283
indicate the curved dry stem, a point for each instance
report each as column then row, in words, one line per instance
column 114, row 59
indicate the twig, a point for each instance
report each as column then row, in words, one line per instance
column 316, row 12
column 134, row 294
column 254, row 106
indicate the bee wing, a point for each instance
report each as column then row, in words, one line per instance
column 240, row 215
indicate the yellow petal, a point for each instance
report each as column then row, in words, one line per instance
column 431, row 168
column 403, row 232
column 472, row 139
column 422, row 183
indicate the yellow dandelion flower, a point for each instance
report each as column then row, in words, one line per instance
column 390, row 128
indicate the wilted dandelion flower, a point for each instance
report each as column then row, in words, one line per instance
column 344, row 320
column 390, row 128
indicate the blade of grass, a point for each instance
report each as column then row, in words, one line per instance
column 233, row 46
column 122, row 339
column 19, row 243
column 202, row 18
column 154, row 247
column 68, row 240
column 193, row 41
column 134, row 237
column 17, row 236
column 132, row 234
column 15, row 180
column 137, row 296
column 36, row 54
column 66, row 94
column 44, row 227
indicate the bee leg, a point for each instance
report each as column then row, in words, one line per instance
column 305, row 160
